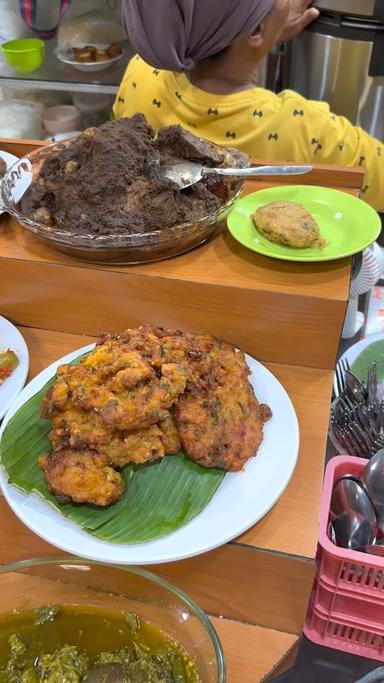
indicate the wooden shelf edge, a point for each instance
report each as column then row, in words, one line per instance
column 251, row 652
column 342, row 176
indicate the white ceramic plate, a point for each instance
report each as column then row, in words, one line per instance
column 9, row 159
column 355, row 350
column 25, row 181
column 11, row 338
column 241, row 500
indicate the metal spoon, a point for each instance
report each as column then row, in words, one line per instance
column 188, row 173
column 372, row 383
column 349, row 496
column 353, row 531
column 355, row 389
column 373, row 479
column 331, row 533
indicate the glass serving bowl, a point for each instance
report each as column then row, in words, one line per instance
column 67, row 581
column 120, row 249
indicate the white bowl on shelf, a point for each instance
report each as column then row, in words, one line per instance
column 66, row 57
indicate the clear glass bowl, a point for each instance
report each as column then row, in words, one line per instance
column 35, row 583
column 124, row 248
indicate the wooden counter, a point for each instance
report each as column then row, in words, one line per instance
column 265, row 300
column 287, row 315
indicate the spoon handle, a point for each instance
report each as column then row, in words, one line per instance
column 254, row 171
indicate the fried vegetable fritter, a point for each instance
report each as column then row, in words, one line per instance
column 74, row 428
column 288, row 223
column 138, row 446
column 119, row 385
column 143, row 394
column 79, row 429
column 82, row 476
column 218, row 418
column 170, row 435
column 221, row 423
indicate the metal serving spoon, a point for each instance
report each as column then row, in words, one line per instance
column 355, row 389
column 373, row 480
column 348, row 495
column 353, row 530
column 188, row 173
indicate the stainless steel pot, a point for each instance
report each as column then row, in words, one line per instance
column 340, row 59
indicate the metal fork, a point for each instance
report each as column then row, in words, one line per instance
column 339, row 385
column 355, row 440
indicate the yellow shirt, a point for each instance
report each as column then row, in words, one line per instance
column 258, row 122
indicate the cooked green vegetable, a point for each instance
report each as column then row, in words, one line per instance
column 66, row 645
column 16, row 645
column 47, row 613
column 133, row 621
column 66, row 665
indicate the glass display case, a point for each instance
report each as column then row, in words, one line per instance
column 54, row 75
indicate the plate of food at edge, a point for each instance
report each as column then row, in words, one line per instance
column 151, row 446
column 304, row 223
column 6, row 161
column 14, row 364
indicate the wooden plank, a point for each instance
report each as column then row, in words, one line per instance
column 234, row 581
column 250, row 651
column 241, row 583
column 20, row 147
column 274, row 327
column 222, row 261
column 340, row 176
column 291, row 526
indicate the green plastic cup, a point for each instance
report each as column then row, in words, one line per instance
column 25, row 54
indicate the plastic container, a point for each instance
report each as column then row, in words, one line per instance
column 88, row 27
column 91, row 102
column 350, row 635
column 346, row 609
column 62, row 118
column 12, row 25
column 20, row 119
column 24, row 54
column 94, row 109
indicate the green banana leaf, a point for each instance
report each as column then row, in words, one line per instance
column 159, row 497
column 374, row 351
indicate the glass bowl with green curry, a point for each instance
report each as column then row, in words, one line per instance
column 72, row 621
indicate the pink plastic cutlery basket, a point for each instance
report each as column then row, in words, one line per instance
column 346, row 608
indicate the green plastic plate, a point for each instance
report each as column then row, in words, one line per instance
column 346, row 223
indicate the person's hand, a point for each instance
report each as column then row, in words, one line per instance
column 300, row 15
